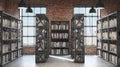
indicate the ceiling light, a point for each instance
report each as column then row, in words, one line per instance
column 92, row 10
column 29, row 10
column 100, row 4
column 21, row 4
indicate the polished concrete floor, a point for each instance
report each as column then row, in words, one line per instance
column 59, row 61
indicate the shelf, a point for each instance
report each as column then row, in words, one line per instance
column 60, row 40
column 59, row 31
column 59, row 47
column 9, row 37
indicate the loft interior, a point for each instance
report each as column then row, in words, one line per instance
column 66, row 33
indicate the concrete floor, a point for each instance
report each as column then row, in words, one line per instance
column 59, row 61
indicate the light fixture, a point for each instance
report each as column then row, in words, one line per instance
column 92, row 10
column 22, row 4
column 29, row 10
column 100, row 4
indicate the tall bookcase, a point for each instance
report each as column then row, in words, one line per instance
column 59, row 38
column 77, row 51
column 108, row 38
column 10, row 38
column 42, row 39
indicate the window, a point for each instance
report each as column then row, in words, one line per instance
column 90, row 24
column 29, row 25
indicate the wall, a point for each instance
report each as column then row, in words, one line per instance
column 2, row 6
column 110, row 6
column 61, row 10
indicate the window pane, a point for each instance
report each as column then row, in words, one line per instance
column 31, row 21
column 25, row 41
column 31, row 31
column 82, row 10
column 24, row 31
column 90, row 40
column 24, row 12
column 90, row 31
column 25, row 20
column 29, row 41
column 37, row 10
column 76, row 10
column 43, row 10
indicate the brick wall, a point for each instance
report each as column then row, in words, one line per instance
column 60, row 10
column 2, row 6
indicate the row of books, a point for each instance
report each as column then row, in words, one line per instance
column 6, row 59
column 113, row 35
column 6, row 23
column 113, row 59
column 13, row 55
column 105, row 24
column 5, row 35
column 19, row 53
column 19, row 44
column 105, row 46
column 59, row 51
column 14, row 24
column 105, row 56
column 59, row 44
column 99, row 26
column 5, row 48
column 13, row 46
column 99, row 52
column 108, row 24
column 113, row 23
column 99, row 35
column 13, row 35
column 113, row 48
column 105, row 35
column 59, row 35
column 99, row 45
column 59, row 27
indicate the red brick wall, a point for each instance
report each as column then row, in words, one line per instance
column 2, row 5
column 110, row 6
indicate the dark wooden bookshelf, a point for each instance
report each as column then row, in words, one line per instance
column 108, row 31
column 10, row 38
column 59, row 32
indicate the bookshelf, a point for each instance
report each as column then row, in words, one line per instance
column 77, row 51
column 42, row 39
column 59, row 38
column 10, row 38
column 108, row 37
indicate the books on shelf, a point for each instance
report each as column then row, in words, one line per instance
column 99, row 45
column 105, row 24
column 113, row 22
column 105, row 35
column 59, row 44
column 59, row 26
column 113, row 35
column 113, row 48
column 59, row 35
column 113, row 59
column 105, row 46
